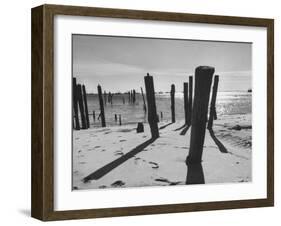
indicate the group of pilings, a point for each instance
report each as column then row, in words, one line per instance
column 196, row 109
column 132, row 96
column 108, row 98
column 80, row 106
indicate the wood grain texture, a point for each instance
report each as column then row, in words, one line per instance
column 42, row 112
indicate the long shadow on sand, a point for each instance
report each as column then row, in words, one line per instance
column 195, row 174
column 183, row 132
column 180, row 127
column 112, row 165
column 164, row 126
column 218, row 143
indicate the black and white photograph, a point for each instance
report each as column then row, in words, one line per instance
column 160, row 112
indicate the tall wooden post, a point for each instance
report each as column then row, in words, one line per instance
column 81, row 107
column 152, row 112
column 144, row 105
column 103, row 124
column 75, row 104
column 86, row 106
column 173, row 103
column 190, row 95
column 213, row 102
column 203, row 81
column 185, row 101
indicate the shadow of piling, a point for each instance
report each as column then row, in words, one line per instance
column 180, row 127
column 183, row 132
column 218, row 143
column 195, row 174
column 164, row 126
column 112, row 165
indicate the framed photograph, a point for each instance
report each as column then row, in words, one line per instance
column 142, row 112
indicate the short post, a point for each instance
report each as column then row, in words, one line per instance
column 172, row 93
column 203, row 81
column 101, row 107
column 115, row 117
column 120, row 122
column 86, row 106
column 134, row 96
column 81, row 107
column 144, row 105
column 152, row 112
column 75, row 104
column 94, row 116
column 185, row 101
column 129, row 97
column 161, row 115
column 190, row 95
column 213, row 102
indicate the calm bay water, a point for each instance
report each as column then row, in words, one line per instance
column 228, row 103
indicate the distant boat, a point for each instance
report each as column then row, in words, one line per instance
column 249, row 90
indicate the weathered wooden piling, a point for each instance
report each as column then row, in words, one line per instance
column 213, row 102
column 81, row 107
column 172, row 93
column 86, row 106
column 129, row 97
column 203, row 81
column 161, row 115
column 75, row 104
column 104, row 97
column 120, row 121
column 103, row 124
column 115, row 117
column 190, row 98
column 144, row 105
column 151, row 105
column 134, row 96
column 94, row 116
column 185, row 101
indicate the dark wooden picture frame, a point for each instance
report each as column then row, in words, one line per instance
column 43, row 120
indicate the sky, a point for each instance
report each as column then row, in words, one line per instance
column 119, row 64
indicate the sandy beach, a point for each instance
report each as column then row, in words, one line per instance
column 112, row 156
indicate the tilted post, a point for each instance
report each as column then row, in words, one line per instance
column 173, row 103
column 190, row 95
column 203, row 81
column 185, row 101
column 81, row 107
column 103, row 124
column 86, row 106
column 152, row 112
column 75, row 104
column 213, row 102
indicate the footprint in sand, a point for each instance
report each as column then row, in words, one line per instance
column 118, row 183
column 164, row 180
column 154, row 165
column 118, row 153
column 122, row 140
column 102, row 186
